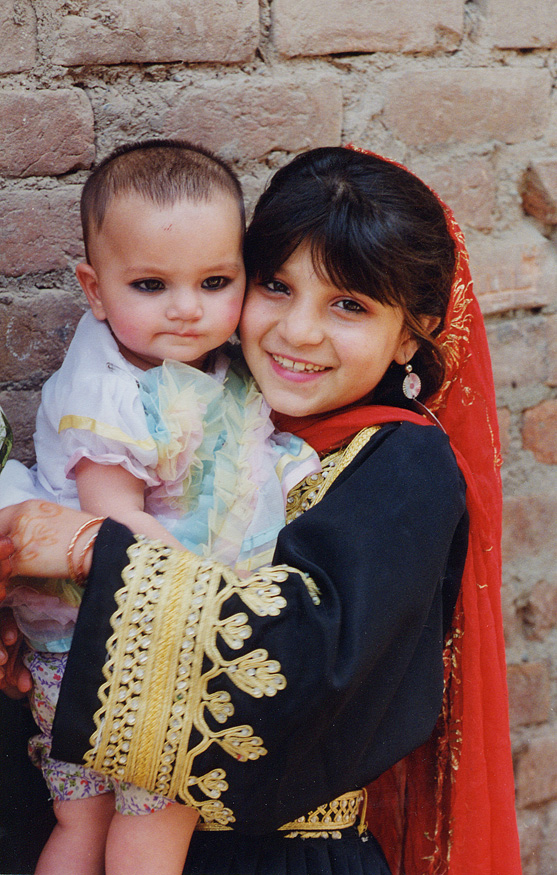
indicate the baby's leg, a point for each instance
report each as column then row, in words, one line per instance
column 78, row 841
column 144, row 844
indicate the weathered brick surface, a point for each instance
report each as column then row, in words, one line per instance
column 511, row 622
column 250, row 118
column 530, row 831
column 539, row 195
column 552, row 350
column 468, row 187
column 513, row 270
column 18, row 43
column 537, row 771
column 540, row 611
column 504, row 418
column 529, row 527
column 21, row 409
column 518, row 352
column 514, row 24
column 40, row 230
column 529, row 693
column 116, row 31
column 45, row 132
column 469, row 105
column 318, row 27
column 539, row 431
column 36, row 333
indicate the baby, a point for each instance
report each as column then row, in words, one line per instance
column 154, row 421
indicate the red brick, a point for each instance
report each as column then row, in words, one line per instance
column 514, row 24
column 529, row 528
column 539, row 431
column 537, row 772
column 469, row 105
column 530, row 832
column 319, row 27
column 467, row 187
column 225, row 31
column 529, row 693
column 45, row 132
column 512, row 271
column 21, row 409
column 504, row 417
column 540, row 612
column 36, row 333
column 18, row 46
column 248, row 118
column 539, row 191
column 40, row 230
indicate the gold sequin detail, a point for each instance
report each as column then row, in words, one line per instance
column 152, row 724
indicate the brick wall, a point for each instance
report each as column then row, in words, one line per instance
column 462, row 92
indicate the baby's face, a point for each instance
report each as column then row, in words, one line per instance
column 169, row 280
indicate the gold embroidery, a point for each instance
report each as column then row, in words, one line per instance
column 152, row 723
column 111, row 432
column 311, row 490
column 325, row 821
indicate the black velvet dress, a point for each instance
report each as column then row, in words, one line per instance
column 373, row 571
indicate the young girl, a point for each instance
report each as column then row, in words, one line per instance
column 150, row 421
column 391, row 656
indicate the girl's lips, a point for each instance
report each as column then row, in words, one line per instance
column 294, row 369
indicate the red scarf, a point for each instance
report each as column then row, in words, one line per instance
column 448, row 808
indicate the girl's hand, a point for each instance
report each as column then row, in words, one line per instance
column 41, row 533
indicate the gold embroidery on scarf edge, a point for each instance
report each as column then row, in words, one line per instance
column 153, row 609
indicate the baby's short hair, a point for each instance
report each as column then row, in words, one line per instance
column 162, row 171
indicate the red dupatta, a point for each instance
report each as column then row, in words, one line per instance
column 448, row 807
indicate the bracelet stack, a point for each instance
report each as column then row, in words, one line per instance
column 76, row 570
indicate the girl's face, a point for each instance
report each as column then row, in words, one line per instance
column 169, row 280
column 313, row 347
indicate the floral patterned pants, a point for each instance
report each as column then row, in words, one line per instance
column 67, row 781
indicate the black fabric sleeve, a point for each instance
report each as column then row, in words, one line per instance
column 363, row 666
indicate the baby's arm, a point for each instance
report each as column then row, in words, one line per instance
column 110, row 490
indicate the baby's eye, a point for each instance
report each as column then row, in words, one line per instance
column 214, row 283
column 149, row 285
column 350, row 305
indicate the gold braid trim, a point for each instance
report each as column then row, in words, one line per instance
column 325, row 821
column 156, row 692
column 311, row 490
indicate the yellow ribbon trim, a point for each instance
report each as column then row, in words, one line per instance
column 111, row 432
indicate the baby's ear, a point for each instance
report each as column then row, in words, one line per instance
column 88, row 281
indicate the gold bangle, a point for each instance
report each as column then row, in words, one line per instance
column 77, row 574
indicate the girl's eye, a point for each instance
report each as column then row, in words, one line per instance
column 149, row 285
column 276, row 286
column 350, row 305
column 214, row 283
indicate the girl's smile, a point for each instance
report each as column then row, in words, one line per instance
column 313, row 347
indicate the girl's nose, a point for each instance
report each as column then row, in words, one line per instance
column 301, row 326
column 184, row 304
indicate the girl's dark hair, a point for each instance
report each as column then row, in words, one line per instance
column 372, row 228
